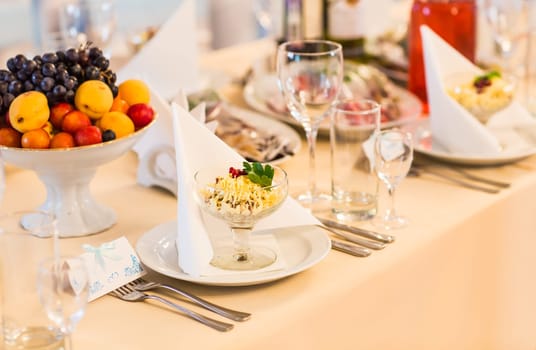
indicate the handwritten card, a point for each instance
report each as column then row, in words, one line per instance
column 110, row 266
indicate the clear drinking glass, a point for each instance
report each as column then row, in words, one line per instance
column 240, row 205
column 63, row 286
column 393, row 154
column 310, row 78
column 85, row 21
column 508, row 22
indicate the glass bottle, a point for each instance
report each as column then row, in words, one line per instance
column 453, row 20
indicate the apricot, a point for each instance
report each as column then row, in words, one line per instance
column 118, row 122
column 74, row 121
column 29, row 111
column 134, row 91
column 119, row 105
column 93, row 98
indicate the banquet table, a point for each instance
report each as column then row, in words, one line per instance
column 460, row 276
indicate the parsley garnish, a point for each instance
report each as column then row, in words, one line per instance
column 259, row 174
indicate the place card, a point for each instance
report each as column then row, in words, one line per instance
column 111, row 265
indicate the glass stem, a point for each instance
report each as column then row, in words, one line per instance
column 390, row 212
column 311, row 133
column 67, row 342
column 241, row 238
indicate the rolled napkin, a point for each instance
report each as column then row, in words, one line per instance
column 452, row 126
column 197, row 147
column 169, row 61
column 156, row 149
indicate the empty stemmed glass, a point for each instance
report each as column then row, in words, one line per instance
column 508, row 22
column 63, row 286
column 393, row 154
column 92, row 21
column 310, row 78
column 241, row 197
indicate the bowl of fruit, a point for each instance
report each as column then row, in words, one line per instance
column 64, row 115
column 482, row 95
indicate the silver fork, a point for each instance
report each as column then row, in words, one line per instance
column 128, row 294
column 142, row 285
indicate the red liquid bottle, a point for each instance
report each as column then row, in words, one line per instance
column 453, row 20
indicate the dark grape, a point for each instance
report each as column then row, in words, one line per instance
column 38, row 59
column 62, row 75
column 11, row 64
column 69, row 96
column 28, row 86
column 83, row 57
column 3, row 87
column 19, row 61
column 102, row 62
column 29, row 66
column 3, row 74
column 47, row 84
column 36, row 77
column 95, row 52
column 15, row 87
column 9, row 77
column 70, row 83
column 59, row 91
column 21, row 75
column 61, row 56
column 51, row 98
column 75, row 70
column 8, row 98
column 71, row 56
column 50, row 57
column 92, row 73
column 115, row 90
column 49, row 70
column 108, row 135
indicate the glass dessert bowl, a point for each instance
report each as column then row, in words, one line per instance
column 483, row 94
column 241, row 197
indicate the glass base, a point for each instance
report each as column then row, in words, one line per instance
column 390, row 222
column 228, row 258
column 316, row 202
column 36, row 338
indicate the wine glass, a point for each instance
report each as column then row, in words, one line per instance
column 85, row 21
column 393, row 154
column 508, row 21
column 230, row 195
column 310, row 78
column 63, row 286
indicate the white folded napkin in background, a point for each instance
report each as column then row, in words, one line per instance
column 169, row 61
column 197, row 147
column 156, row 149
column 453, row 126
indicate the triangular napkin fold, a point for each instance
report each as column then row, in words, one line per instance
column 196, row 147
column 451, row 125
column 169, row 60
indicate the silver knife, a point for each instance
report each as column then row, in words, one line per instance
column 350, row 248
column 385, row 238
column 354, row 239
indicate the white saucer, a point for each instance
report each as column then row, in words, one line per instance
column 425, row 144
column 301, row 246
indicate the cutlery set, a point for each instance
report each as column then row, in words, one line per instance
column 357, row 241
column 135, row 291
column 460, row 177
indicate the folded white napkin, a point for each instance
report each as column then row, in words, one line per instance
column 169, row 61
column 453, row 126
column 156, row 150
column 197, row 147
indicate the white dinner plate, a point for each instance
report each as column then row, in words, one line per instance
column 425, row 144
column 258, row 91
column 302, row 247
column 270, row 126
